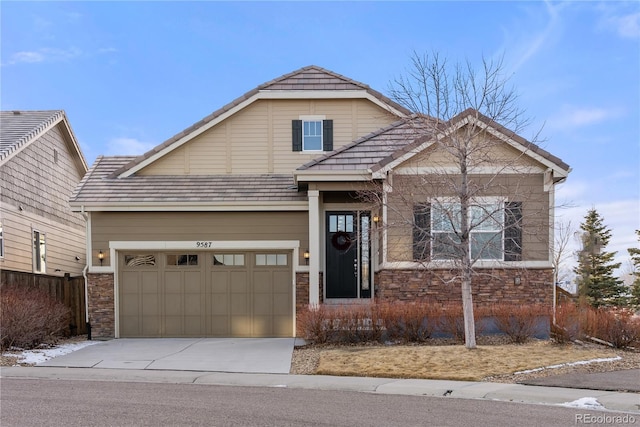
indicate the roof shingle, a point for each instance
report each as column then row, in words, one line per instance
column 19, row 127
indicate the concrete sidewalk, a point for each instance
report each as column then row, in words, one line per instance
column 624, row 380
column 582, row 398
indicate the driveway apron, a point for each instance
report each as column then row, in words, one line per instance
column 242, row 355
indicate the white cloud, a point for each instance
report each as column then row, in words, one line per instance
column 574, row 117
column 128, row 146
column 45, row 54
column 626, row 26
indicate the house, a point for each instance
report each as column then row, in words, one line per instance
column 236, row 224
column 40, row 166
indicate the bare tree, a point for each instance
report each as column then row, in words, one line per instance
column 465, row 207
column 561, row 254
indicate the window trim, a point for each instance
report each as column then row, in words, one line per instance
column 308, row 119
column 39, row 261
column 498, row 202
column 1, row 240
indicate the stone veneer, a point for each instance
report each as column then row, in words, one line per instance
column 302, row 293
column 102, row 315
column 489, row 287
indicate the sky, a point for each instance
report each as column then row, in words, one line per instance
column 131, row 74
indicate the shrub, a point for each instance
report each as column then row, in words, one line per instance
column 409, row 322
column 620, row 329
column 519, row 322
column 30, row 317
column 567, row 326
column 451, row 321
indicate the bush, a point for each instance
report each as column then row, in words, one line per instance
column 620, row 329
column 30, row 317
column 567, row 326
column 519, row 322
column 409, row 322
column 451, row 321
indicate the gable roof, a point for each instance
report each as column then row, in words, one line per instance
column 100, row 190
column 19, row 128
column 382, row 150
column 307, row 82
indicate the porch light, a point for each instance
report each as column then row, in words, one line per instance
column 101, row 256
column 517, row 280
column 376, row 219
column 305, row 254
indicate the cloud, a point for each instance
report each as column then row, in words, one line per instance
column 575, row 117
column 626, row 26
column 45, row 54
column 128, row 146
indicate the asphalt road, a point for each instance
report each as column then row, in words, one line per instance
column 29, row 402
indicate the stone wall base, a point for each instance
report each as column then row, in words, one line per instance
column 102, row 314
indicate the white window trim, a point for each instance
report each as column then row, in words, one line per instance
column 500, row 201
column 1, row 241
column 312, row 118
column 35, row 254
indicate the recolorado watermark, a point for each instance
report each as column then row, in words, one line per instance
column 605, row 419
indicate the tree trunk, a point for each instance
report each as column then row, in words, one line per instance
column 467, row 311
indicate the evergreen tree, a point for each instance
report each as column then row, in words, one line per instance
column 635, row 288
column 596, row 282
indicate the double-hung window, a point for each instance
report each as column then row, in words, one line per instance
column 1, row 242
column 312, row 133
column 494, row 230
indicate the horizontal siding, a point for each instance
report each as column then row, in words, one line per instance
column 525, row 188
column 191, row 226
column 63, row 243
column 243, row 139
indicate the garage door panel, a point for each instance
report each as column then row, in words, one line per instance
column 282, row 305
column 262, row 305
column 238, row 284
column 173, row 282
column 241, row 326
column 282, row 282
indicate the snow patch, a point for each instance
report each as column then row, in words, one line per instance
column 584, row 402
column 580, row 362
column 37, row 356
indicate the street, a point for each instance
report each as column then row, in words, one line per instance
column 28, row 402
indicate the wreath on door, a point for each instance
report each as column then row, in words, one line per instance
column 341, row 240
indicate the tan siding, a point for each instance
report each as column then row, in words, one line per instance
column 498, row 153
column 63, row 243
column 33, row 180
column 192, row 226
column 525, row 188
column 244, row 139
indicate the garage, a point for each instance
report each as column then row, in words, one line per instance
column 205, row 294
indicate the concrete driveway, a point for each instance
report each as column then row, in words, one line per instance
column 246, row 355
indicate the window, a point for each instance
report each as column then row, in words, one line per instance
column 1, row 242
column 184, row 260
column 271, row 259
column 228, row 259
column 39, row 252
column 495, row 231
column 312, row 134
column 139, row 260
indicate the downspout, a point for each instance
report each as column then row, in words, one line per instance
column 84, row 273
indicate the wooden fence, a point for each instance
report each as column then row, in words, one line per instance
column 67, row 290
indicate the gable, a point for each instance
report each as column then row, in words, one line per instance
column 309, row 84
column 257, row 139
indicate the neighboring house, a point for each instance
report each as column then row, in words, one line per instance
column 40, row 166
column 236, row 224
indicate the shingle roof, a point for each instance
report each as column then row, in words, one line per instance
column 378, row 149
column 17, row 128
column 367, row 151
column 307, row 78
column 99, row 187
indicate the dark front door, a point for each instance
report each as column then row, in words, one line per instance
column 348, row 260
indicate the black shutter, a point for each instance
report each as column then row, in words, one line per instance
column 296, row 135
column 327, row 135
column 421, row 232
column 513, row 231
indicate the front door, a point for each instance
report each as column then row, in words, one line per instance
column 348, row 255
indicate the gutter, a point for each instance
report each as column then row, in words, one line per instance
column 84, row 273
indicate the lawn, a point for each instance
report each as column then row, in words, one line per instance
column 452, row 362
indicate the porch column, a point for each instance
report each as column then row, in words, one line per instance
column 314, row 247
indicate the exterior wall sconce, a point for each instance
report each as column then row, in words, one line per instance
column 306, row 256
column 101, row 256
column 376, row 219
column 517, row 280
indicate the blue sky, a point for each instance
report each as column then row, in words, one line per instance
column 132, row 74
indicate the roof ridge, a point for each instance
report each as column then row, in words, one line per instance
column 24, row 139
column 87, row 176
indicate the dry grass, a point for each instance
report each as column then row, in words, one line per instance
column 453, row 362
